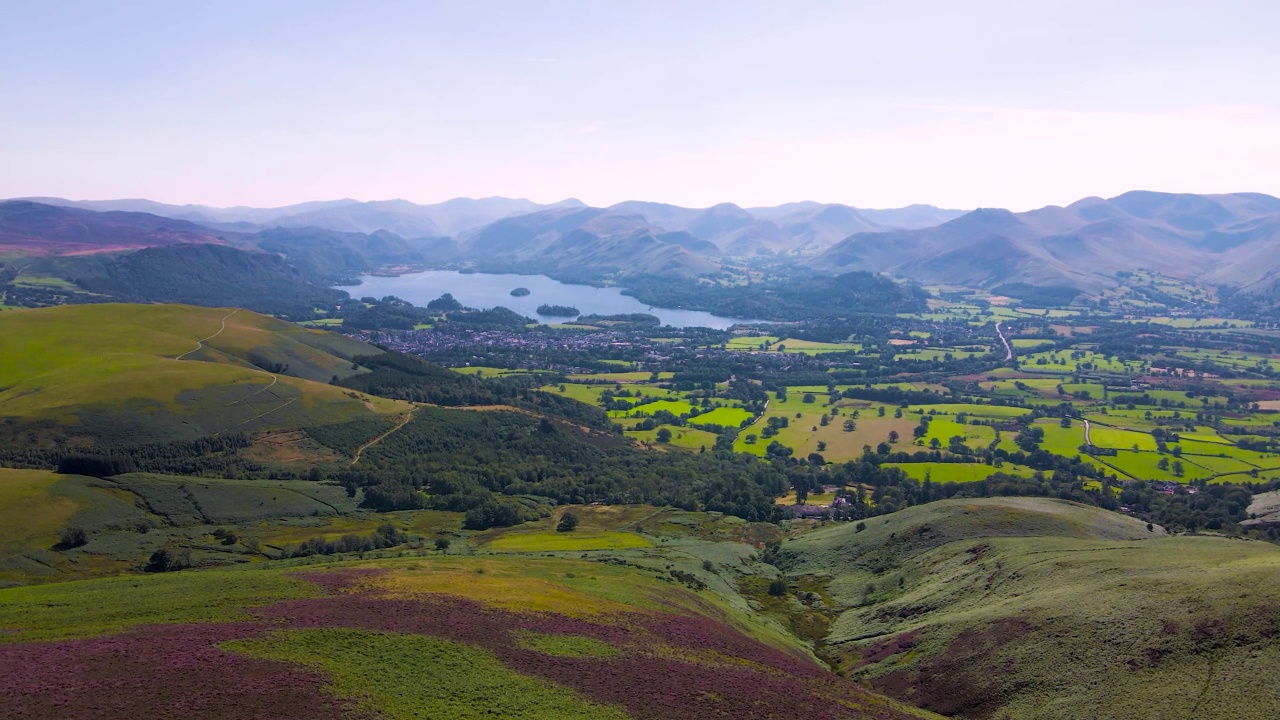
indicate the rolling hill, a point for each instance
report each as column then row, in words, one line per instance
column 1226, row 239
column 29, row 228
column 444, row 636
column 1040, row 608
column 584, row 243
column 115, row 375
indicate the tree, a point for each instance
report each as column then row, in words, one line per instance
column 1163, row 464
column 1177, row 468
column 568, row 522
column 778, row 588
column 664, row 435
column 808, row 398
column 73, row 537
column 893, row 436
column 850, row 426
column 442, row 544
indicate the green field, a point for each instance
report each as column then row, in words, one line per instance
column 723, row 416
column 567, row 541
column 686, row 438
column 957, row 472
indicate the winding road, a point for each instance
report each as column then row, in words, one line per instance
column 1087, row 440
column 1008, row 350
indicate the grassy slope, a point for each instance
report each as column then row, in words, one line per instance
column 1036, row 608
column 113, row 370
column 446, row 636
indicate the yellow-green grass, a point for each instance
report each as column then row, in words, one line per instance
column 1060, row 361
column 812, row 499
column 972, row 409
column 1029, row 343
column 1219, row 465
column 622, row 377
column 724, row 416
column 46, row 282
column 1145, row 466
column 751, row 342
column 810, row 347
column 1095, row 390
column 675, row 407
column 58, row 361
column 414, row 676
column 1237, row 360
column 1184, row 322
column 942, row 429
column 685, row 438
column 589, row 394
column 92, row 607
column 31, row 514
column 1111, row 437
column 1060, row 440
column 482, row 371
column 322, row 322
column 941, row 353
column 958, row 472
column 553, row 541
column 800, row 435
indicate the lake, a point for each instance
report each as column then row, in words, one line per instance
column 485, row 290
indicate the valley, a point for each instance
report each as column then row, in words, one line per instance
column 882, row 498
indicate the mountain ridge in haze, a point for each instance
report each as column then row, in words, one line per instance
column 1228, row 239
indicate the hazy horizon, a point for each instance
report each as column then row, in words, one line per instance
column 995, row 104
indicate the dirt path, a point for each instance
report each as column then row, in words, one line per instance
column 404, row 420
column 259, row 391
column 1008, row 350
column 202, row 341
column 1087, row 440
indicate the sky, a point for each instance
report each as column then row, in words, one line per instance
column 873, row 104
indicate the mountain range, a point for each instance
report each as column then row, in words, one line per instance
column 1222, row 239
column 1225, row 239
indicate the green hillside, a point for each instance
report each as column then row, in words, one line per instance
column 128, row 374
column 442, row 636
column 1039, row 608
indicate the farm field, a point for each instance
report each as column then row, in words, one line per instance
column 685, row 438
column 723, row 416
column 621, row 377
column 941, row 472
column 481, row 371
column 1061, row 361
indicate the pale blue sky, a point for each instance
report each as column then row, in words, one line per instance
column 875, row 104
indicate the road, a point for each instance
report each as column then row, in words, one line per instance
column 1087, row 440
column 1008, row 350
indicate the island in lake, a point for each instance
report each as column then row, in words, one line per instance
column 520, row 292
column 558, row 310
